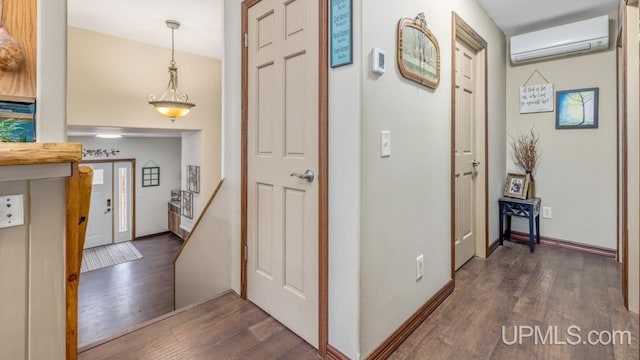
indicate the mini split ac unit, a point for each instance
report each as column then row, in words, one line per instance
column 570, row 39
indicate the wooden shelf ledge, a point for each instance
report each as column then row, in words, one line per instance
column 39, row 153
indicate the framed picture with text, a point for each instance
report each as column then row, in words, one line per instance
column 341, row 39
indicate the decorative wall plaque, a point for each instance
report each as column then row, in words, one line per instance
column 418, row 52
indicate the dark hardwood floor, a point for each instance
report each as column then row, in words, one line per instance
column 116, row 298
column 552, row 287
column 224, row 328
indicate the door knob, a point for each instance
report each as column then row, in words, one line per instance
column 475, row 163
column 107, row 211
column 308, row 175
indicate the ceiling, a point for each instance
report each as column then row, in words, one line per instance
column 143, row 20
column 520, row 16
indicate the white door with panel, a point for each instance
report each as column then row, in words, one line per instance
column 100, row 224
column 465, row 154
column 282, row 160
column 111, row 210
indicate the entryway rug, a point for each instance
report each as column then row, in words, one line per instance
column 107, row 255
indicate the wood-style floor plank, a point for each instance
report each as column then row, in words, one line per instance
column 551, row 287
column 117, row 298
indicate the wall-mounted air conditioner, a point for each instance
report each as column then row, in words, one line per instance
column 570, row 39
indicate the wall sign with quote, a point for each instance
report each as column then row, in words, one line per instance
column 341, row 33
column 418, row 52
column 536, row 98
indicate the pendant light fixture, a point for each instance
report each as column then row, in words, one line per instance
column 172, row 104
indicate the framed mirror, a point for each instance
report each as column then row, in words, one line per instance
column 418, row 52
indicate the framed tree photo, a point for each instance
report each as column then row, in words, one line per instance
column 577, row 109
column 418, row 52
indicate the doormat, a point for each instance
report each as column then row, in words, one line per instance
column 107, row 255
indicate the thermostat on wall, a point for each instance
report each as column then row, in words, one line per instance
column 378, row 61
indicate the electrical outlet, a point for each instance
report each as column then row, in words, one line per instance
column 419, row 267
column 11, row 211
column 546, row 212
column 385, row 143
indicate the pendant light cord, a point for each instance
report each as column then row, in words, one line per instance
column 173, row 62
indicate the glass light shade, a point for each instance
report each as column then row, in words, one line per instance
column 172, row 109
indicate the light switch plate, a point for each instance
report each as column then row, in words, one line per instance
column 11, row 210
column 546, row 212
column 385, row 143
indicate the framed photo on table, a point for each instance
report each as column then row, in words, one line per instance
column 516, row 186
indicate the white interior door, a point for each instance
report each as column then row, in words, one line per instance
column 465, row 154
column 122, row 201
column 100, row 224
column 282, row 210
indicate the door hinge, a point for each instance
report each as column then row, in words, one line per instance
column 246, row 40
column 246, row 253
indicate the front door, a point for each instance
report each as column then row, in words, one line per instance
column 282, row 162
column 465, row 154
column 100, row 225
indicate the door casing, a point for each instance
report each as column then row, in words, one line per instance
column 323, row 168
column 462, row 30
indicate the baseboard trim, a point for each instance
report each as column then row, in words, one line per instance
column 388, row 346
column 521, row 237
column 152, row 235
column 493, row 247
column 335, row 354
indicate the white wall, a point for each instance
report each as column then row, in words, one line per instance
column 577, row 171
column 202, row 271
column 151, row 202
column 345, row 181
column 51, row 71
column 406, row 197
column 232, row 117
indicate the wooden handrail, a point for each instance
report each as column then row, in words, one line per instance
column 39, row 153
column 77, row 216
column 204, row 210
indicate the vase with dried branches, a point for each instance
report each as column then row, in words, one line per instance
column 526, row 155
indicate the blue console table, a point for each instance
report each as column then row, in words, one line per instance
column 529, row 209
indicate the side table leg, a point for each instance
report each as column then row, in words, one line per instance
column 531, row 235
column 501, row 228
column 538, row 228
column 508, row 227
